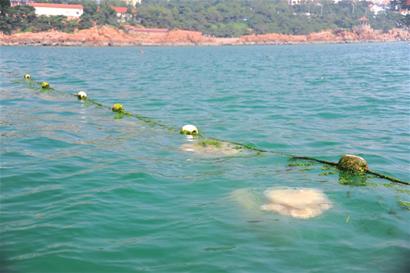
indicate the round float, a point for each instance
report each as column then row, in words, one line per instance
column 353, row 163
column 117, row 107
column 45, row 85
column 82, row 95
column 190, row 130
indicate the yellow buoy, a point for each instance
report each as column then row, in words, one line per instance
column 117, row 107
column 190, row 130
column 82, row 95
column 27, row 76
column 45, row 85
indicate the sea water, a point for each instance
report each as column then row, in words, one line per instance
column 83, row 191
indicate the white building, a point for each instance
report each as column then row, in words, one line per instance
column 295, row 2
column 68, row 10
column 376, row 9
column 14, row 3
column 380, row 2
column 132, row 2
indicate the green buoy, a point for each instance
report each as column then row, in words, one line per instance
column 353, row 163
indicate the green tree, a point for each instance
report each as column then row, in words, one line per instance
column 90, row 8
column 86, row 21
column 222, row 18
column 4, row 6
column 21, row 17
column 106, row 15
column 406, row 21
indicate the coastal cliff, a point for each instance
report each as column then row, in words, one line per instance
column 129, row 35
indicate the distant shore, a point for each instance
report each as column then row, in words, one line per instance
column 134, row 36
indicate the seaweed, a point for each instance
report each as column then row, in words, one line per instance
column 404, row 204
column 327, row 173
column 352, row 179
column 209, row 142
column 297, row 163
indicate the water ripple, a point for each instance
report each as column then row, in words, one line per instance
column 82, row 191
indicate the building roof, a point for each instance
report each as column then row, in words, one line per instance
column 120, row 9
column 58, row 6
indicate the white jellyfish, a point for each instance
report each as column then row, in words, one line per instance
column 211, row 147
column 296, row 202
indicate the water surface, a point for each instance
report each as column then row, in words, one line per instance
column 84, row 192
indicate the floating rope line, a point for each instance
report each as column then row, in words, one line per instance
column 330, row 163
column 350, row 163
column 81, row 95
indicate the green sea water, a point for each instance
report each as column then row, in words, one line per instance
column 82, row 191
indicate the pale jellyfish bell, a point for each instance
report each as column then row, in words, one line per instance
column 301, row 203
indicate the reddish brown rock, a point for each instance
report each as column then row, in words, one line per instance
column 130, row 35
column 324, row 36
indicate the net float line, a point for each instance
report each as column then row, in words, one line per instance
column 349, row 163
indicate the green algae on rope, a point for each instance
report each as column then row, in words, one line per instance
column 118, row 108
column 356, row 170
column 348, row 163
column 82, row 96
column 44, row 86
column 387, row 177
column 404, row 204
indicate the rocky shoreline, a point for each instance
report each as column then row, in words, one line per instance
column 134, row 36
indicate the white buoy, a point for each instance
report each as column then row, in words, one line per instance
column 27, row 76
column 82, row 95
column 190, row 130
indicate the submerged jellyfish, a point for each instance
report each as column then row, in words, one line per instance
column 246, row 199
column 299, row 202
column 211, row 147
